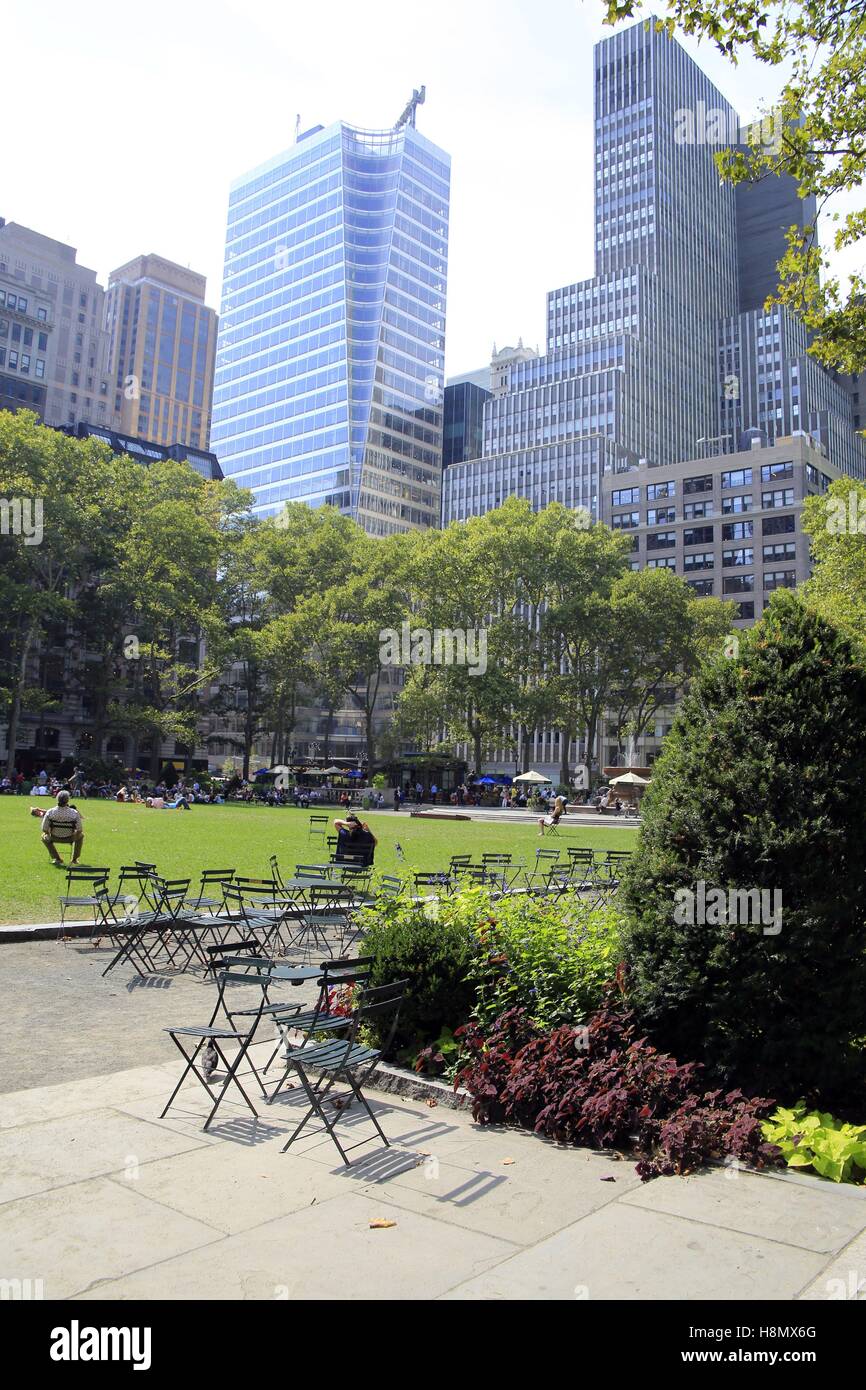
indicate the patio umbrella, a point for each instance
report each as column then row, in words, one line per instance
column 271, row 770
column 485, row 782
column 629, row 779
column 531, row 777
column 333, row 771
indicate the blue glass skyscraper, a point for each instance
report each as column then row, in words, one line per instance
column 330, row 360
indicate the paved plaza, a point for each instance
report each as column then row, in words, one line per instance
column 99, row 1198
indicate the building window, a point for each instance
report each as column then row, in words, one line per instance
column 661, row 540
column 698, row 535
column 663, row 562
column 737, row 477
column 660, row 516
column 779, row 579
column 738, row 530
column 694, row 511
column 701, row 484
column 738, row 584
column 783, row 497
column 699, row 560
column 746, row 610
column 777, row 525
column 740, row 503
column 624, row 520
column 40, row 367
column 701, row 588
column 657, row 490
column 626, row 497
column 786, row 550
column 770, row 472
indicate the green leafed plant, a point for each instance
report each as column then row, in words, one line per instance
column 814, row 1139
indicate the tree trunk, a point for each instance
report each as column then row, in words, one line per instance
column 329, row 724
column 476, row 747
column 527, row 744
column 371, row 741
column 565, row 767
column 15, row 710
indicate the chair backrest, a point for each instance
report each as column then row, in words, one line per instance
column 377, row 1002
column 98, row 878
column 348, row 971
column 319, row 820
column 389, row 886
column 313, row 871
column 61, row 831
column 461, row 859
column 496, row 859
column 262, row 887
column 580, row 855
column 549, row 854
column 320, row 895
column 441, row 879
column 217, row 876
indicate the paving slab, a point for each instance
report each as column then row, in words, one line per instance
column 234, row 1188
column 521, row 1199
column 57, row 1153
column 844, row 1279
column 89, row 1093
column 815, row 1216
column 91, row 1232
column 326, row 1251
column 626, row 1252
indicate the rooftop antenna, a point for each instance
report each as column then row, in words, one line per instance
column 297, row 127
column 408, row 116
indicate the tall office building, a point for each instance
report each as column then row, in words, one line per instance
column 53, row 346
column 666, row 353
column 330, row 359
column 162, row 345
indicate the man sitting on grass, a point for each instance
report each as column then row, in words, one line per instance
column 62, row 822
column 356, row 842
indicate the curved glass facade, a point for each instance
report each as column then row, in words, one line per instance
column 330, row 359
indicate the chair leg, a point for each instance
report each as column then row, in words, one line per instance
column 316, row 1107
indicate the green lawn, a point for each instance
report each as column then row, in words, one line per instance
column 242, row 838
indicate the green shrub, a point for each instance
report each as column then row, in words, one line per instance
column 760, row 786
column 551, row 958
column 432, row 952
column 835, row 1150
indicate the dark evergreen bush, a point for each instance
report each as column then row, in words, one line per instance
column 761, row 784
column 434, row 956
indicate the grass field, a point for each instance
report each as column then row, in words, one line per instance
column 241, row 838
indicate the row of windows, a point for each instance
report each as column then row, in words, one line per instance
column 705, row 535
column 21, row 363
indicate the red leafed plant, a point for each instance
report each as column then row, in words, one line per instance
column 605, row 1086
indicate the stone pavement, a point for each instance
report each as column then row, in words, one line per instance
column 100, row 1200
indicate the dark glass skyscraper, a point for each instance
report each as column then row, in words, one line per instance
column 330, row 358
column 665, row 353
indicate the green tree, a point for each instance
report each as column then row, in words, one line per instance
column 758, row 789
column 837, row 588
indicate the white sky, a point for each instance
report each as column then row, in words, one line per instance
column 132, row 120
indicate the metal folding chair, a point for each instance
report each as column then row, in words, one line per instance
column 441, row 880
column 321, row 906
column 318, row 826
column 346, row 1060
column 212, row 878
column 544, row 861
column 321, row 1018
column 96, row 899
column 217, row 1038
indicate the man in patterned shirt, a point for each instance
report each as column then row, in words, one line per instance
column 63, row 824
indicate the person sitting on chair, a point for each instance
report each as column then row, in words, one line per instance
column 356, row 842
column 554, row 817
column 62, row 822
